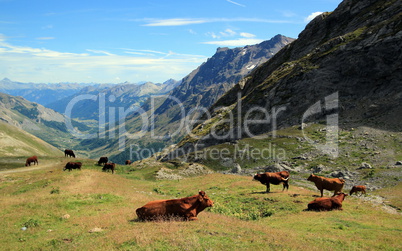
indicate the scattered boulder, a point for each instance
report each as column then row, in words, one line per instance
column 95, row 230
column 236, row 168
column 365, row 165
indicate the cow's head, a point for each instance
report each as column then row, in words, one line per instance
column 204, row 199
column 311, row 177
column 257, row 177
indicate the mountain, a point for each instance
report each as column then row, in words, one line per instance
column 43, row 94
column 40, row 121
column 344, row 70
column 161, row 125
column 16, row 142
column 93, row 100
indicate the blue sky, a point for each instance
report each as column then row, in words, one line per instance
column 86, row 41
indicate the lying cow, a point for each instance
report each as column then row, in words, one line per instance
column 128, row 162
column 186, row 208
column 69, row 153
column 72, row 165
column 327, row 204
column 102, row 160
column 109, row 166
column 274, row 178
column 355, row 189
column 33, row 159
column 329, row 184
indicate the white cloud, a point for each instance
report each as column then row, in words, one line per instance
column 189, row 21
column 45, row 38
column 235, row 42
column 175, row 22
column 247, row 35
column 312, row 16
column 233, row 2
column 29, row 64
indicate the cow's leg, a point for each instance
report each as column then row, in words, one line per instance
column 322, row 192
column 285, row 185
column 268, row 188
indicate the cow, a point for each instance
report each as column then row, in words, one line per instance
column 327, row 204
column 185, row 208
column 72, row 165
column 355, row 189
column 128, row 162
column 33, row 159
column 109, row 166
column 329, row 184
column 69, row 153
column 103, row 160
column 273, row 178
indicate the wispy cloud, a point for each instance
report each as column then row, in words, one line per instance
column 233, row 2
column 312, row 16
column 34, row 64
column 190, row 21
column 45, row 38
column 235, row 42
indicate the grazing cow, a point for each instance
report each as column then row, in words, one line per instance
column 329, row 184
column 355, row 189
column 327, row 204
column 69, row 153
column 274, row 178
column 103, row 160
column 72, row 165
column 128, row 162
column 33, row 159
column 109, row 166
column 185, row 208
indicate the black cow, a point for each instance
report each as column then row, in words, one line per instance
column 103, row 160
column 69, row 153
column 72, row 165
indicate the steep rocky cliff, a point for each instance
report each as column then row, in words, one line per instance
column 346, row 63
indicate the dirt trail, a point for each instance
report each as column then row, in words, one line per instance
column 26, row 169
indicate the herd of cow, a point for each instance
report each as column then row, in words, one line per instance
column 189, row 207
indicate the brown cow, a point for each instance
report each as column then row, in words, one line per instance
column 327, row 204
column 356, row 189
column 185, row 208
column 109, row 166
column 72, row 165
column 274, row 178
column 103, row 160
column 33, row 159
column 128, row 162
column 329, row 184
column 69, row 153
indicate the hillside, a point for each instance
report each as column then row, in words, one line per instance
column 50, row 209
column 344, row 70
column 38, row 120
column 17, row 142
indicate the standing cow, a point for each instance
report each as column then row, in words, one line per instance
column 329, row 184
column 109, row 166
column 274, row 178
column 103, row 160
column 185, row 208
column 72, row 165
column 33, row 159
column 69, row 153
column 327, row 204
column 355, row 189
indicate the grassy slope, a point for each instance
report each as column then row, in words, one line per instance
column 16, row 145
column 243, row 218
